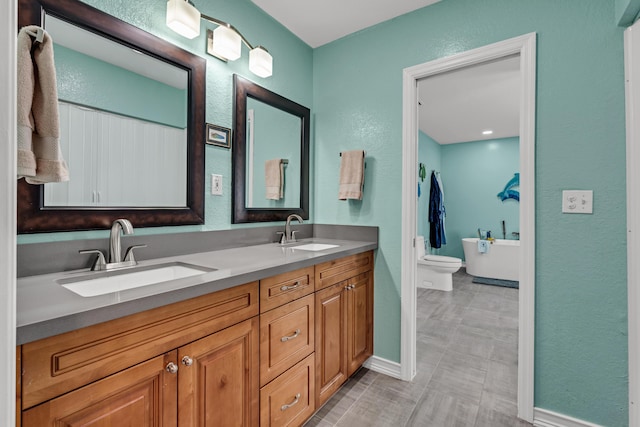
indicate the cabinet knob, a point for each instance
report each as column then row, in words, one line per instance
column 290, row 337
column 289, row 405
column 187, row 361
column 172, row 368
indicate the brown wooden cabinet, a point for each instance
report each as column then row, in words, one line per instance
column 344, row 321
column 267, row 353
column 218, row 378
column 102, row 375
column 143, row 395
column 331, row 341
column 288, row 400
column 287, row 344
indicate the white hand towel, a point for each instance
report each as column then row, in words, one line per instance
column 351, row 175
column 274, row 173
column 39, row 156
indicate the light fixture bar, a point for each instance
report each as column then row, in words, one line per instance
column 225, row 42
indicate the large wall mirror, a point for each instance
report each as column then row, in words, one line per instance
column 269, row 128
column 131, row 109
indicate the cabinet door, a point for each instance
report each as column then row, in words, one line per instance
column 143, row 395
column 331, row 341
column 218, row 381
column 359, row 296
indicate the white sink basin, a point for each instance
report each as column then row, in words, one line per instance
column 314, row 247
column 101, row 283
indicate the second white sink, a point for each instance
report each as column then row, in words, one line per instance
column 95, row 284
column 314, row 247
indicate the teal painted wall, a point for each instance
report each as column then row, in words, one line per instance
column 473, row 173
column 292, row 78
column 626, row 11
column 581, row 311
column 88, row 81
column 429, row 153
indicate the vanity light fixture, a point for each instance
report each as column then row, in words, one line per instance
column 487, row 132
column 225, row 42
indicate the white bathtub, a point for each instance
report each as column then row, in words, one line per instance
column 500, row 262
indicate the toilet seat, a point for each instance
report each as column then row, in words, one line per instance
column 440, row 260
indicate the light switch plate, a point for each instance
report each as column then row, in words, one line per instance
column 577, row 201
column 216, row 185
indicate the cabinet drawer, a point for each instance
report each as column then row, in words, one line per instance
column 288, row 400
column 280, row 289
column 56, row 365
column 286, row 337
column 332, row 272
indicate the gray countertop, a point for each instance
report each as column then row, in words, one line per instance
column 45, row 308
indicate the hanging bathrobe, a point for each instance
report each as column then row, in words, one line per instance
column 437, row 236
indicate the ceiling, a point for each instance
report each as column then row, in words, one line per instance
column 321, row 22
column 456, row 106
column 459, row 105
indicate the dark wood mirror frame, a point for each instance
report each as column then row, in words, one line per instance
column 32, row 216
column 244, row 89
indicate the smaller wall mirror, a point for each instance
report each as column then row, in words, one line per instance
column 269, row 127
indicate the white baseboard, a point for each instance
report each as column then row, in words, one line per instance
column 545, row 418
column 383, row 366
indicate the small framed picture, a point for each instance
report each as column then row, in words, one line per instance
column 218, row 135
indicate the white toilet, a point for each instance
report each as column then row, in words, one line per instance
column 435, row 271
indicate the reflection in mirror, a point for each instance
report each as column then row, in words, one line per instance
column 122, row 123
column 132, row 125
column 272, row 134
column 268, row 127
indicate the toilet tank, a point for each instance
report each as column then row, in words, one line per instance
column 420, row 247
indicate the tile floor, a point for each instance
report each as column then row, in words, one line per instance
column 467, row 367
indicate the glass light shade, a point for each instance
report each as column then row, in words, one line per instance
column 260, row 62
column 183, row 18
column 227, row 43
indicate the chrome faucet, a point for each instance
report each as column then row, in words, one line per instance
column 114, row 239
column 289, row 235
column 115, row 252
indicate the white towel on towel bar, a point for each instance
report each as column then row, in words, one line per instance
column 351, row 175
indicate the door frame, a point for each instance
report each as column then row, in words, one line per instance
column 8, row 27
column 525, row 46
column 632, row 117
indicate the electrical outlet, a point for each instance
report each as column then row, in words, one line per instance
column 577, row 201
column 216, row 185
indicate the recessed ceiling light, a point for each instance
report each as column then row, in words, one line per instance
column 487, row 132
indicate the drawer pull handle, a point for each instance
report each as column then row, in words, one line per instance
column 172, row 368
column 286, row 288
column 187, row 361
column 290, row 337
column 289, row 405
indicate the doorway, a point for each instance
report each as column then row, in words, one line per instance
column 525, row 47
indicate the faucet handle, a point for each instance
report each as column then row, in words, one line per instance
column 283, row 237
column 128, row 256
column 100, row 263
column 293, row 235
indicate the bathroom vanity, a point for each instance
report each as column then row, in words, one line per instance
column 264, row 339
